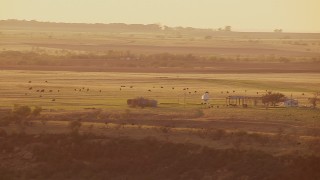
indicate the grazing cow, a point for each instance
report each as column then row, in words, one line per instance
column 42, row 90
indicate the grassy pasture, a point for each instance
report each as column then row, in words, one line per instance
column 15, row 88
column 98, row 101
column 242, row 46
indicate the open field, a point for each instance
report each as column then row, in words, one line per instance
column 102, row 97
column 82, row 47
column 78, row 90
column 82, row 76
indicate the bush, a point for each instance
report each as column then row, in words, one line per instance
column 36, row 111
column 74, row 126
column 3, row 133
column 273, row 98
column 21, row 111
column 5, row 121
column 142, row 102
column 214, row 134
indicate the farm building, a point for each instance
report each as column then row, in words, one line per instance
column 243, row 101
column 291, row 103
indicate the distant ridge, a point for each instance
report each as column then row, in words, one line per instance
column 13, row 24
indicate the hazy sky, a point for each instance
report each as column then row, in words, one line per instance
column 260, row 15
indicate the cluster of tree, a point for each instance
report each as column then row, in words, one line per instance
column 122, row 27
column 315, row 99
column 112, row 27
column 225, row 29
column 59, row 156
column 21, row 116
column 277, row 30
column 142, row 102
column 112, row 58
column 273, row 98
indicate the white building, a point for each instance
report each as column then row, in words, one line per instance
column 205, row 97
column 291, row 103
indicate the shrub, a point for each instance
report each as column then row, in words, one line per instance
column 142, row 102
column 21, row 115
column 21, row 111
column 214, row 134
column 74, row 126
column 273, row 98
column 36, row 111
column 3, row 133
column 198, row 113
column 165, row 129
column 5, row 121
column 314, row 100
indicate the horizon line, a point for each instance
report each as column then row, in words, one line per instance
column 161, row 25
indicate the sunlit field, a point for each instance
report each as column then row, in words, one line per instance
column 64, row 94
column 65, row 109
column 79, row 90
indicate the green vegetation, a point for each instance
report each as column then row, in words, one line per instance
column 273, row 98
column 74, row 126
column 20, row 115
column 75, row 84
column 142, row 102
column 97, row 157
column 315, row 99
column 150, row 48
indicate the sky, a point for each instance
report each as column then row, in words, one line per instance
column 242, row 15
